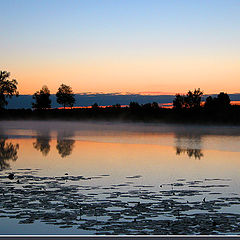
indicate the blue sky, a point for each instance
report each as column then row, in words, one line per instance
column 117, row 38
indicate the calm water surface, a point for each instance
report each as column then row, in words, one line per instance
column 115, row 178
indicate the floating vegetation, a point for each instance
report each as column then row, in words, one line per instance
column 178, row 208
column 137, row 176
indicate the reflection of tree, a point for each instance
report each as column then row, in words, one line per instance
column 42, row 145
column 197, row 153
column 8, row 151
column 65, row 147
column 189, row 144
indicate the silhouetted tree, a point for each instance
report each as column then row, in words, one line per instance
column 8, row 88
column 65, row 96
column 42, row 145
column 223, row 100
column 134, row 106
column 65, row 147
column 191, row 100
column 179, row 101
column 42, row 98
column 8, row 151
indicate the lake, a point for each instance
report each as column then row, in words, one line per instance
column 118, row 178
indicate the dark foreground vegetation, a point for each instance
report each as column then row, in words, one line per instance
column 135, row 112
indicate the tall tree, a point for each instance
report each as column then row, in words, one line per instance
column 8, row 88
column 65, row 96
column 42, row 98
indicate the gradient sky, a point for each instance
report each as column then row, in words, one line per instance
column 122, row 45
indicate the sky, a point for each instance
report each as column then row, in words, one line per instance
column 164, row 46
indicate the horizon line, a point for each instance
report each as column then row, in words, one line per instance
column 146, row 93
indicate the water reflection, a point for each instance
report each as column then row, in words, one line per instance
column 189, row 144
column 8, row 151
column 42, row 144
column 197, row 153
column 65, row 147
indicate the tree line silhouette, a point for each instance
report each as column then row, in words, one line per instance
column 186, row 108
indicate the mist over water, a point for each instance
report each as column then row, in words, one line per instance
column 222, row 138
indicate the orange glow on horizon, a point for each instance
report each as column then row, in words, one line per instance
column 235, row 102
column 147, row 76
